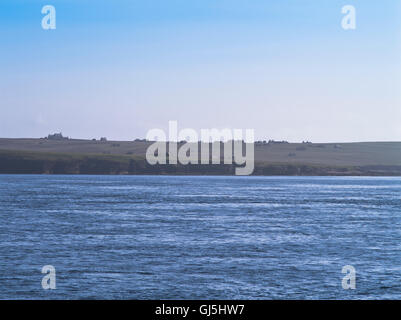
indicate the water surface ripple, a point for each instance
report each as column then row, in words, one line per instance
column 164, row 237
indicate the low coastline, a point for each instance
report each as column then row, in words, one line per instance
column 38, row 156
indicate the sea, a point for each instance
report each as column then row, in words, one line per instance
column 199, row 237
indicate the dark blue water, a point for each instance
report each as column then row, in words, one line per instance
column 142, row 237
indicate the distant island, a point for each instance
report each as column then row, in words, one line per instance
column 57, row 154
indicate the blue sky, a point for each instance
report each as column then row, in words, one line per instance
column 119, row 68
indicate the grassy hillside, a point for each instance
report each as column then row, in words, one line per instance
column 124, row 157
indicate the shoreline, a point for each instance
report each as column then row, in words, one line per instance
column 81, row 157
column 21, row 162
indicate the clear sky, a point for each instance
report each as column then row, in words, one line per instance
column 285, row 68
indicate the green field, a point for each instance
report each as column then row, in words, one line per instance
column 43, row 156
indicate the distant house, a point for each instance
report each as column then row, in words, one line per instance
column 103, row 139
column 277, row 142
column 56, row 136
column 260, row 142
